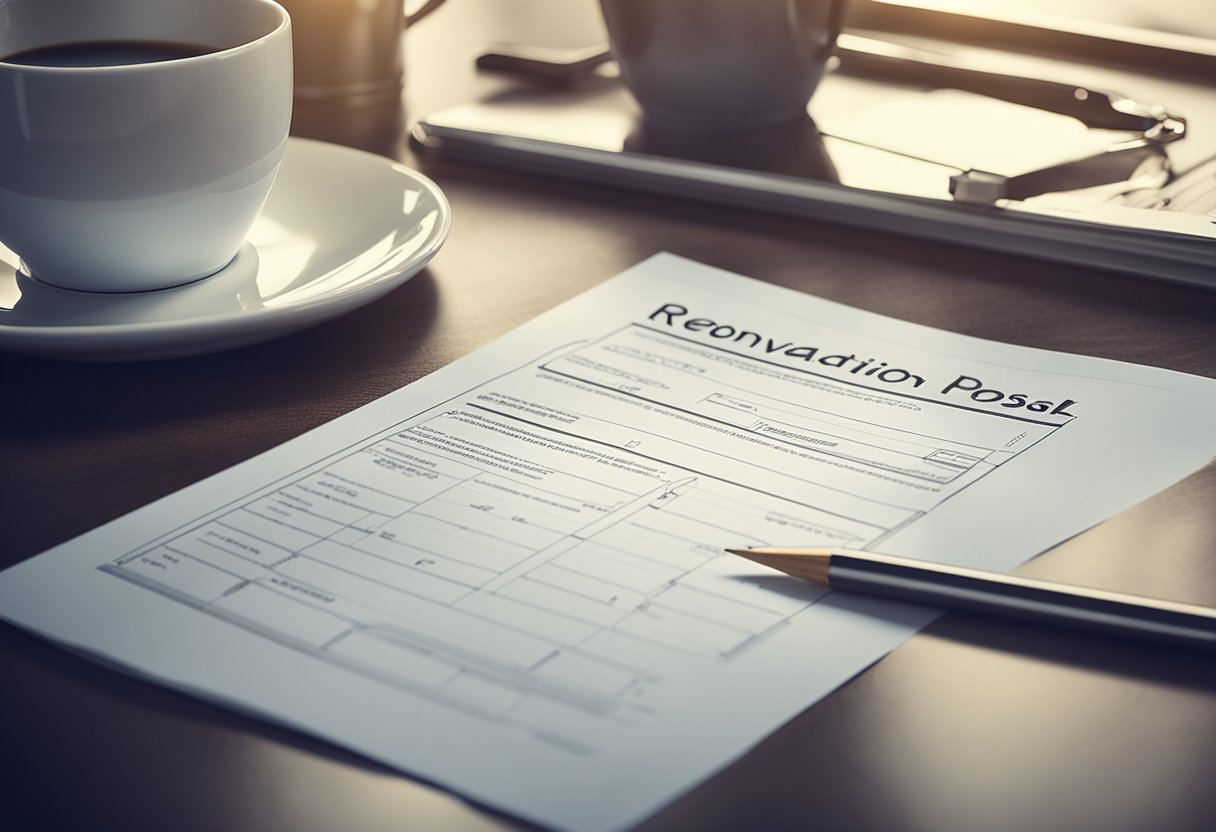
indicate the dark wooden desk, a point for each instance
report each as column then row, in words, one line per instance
column 972, row 725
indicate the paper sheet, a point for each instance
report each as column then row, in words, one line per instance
column 507, row 577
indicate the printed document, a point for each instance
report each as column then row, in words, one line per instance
column 507, row 578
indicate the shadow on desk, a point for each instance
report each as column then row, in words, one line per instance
column 1141, row 661
column 50, row 397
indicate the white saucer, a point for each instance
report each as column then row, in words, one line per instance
column 341, row 228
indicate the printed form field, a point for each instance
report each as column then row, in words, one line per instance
column 882, row 445
column 545, row 567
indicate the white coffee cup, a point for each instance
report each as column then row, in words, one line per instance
column 139, row 176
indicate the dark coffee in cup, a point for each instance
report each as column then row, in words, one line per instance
column 107, row 53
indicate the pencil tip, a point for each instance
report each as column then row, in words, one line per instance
column 769, row 552
column 809, row 564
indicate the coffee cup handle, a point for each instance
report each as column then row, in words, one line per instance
column 422, row 11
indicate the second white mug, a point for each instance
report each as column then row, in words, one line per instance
column 722, row 64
